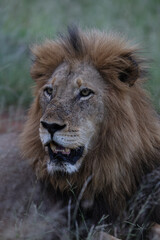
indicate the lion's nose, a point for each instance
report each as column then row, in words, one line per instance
column 52, row 127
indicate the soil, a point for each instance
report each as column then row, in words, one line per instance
column 12, row 122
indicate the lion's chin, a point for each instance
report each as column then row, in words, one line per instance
column 63, row 167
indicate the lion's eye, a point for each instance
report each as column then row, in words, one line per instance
column 48, row 91
column 85, row 92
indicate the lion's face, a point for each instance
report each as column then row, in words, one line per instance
column 72, row 109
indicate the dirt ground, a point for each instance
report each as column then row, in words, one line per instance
column 12, row 121
column 11, row 126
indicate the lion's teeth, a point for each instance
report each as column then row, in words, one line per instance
column 56, row 149
column 67, row 150
column 53, row 147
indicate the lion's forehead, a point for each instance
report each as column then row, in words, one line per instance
column 67, row 74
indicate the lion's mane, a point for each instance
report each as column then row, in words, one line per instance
column 129, row 142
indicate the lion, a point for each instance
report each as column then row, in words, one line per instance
column 91, row 125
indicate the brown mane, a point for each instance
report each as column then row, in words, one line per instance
column 130, row 135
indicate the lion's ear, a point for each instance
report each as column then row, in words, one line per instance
column 130, row 71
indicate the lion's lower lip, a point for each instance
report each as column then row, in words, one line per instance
column 60, row 157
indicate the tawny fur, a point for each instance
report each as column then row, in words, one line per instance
column 128, row 144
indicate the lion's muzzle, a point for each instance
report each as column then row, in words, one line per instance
column 61, row 146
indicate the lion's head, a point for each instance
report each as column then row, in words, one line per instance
column 91, row 116
column 70, row 122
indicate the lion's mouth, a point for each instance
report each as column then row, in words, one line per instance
column 59, row 154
